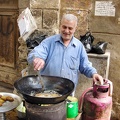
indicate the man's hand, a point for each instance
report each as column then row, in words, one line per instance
column 38, row 63
column 98, row 79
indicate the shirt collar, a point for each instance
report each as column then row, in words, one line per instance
column 73, row 43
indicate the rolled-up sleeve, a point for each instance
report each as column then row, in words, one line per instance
column 86, row 67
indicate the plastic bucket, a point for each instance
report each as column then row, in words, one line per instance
column 72, row 107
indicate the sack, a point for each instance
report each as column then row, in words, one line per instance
column 35, row 41
column 87, row 41
column 26, row 23
column 100, row 47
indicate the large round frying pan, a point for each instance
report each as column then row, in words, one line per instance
column 30, row 85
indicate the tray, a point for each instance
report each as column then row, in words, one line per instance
column 7, row 106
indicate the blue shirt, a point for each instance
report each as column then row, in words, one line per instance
column 62, row 61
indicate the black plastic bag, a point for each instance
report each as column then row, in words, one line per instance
column 33, row 42
column 100, row 47
column 87, row 41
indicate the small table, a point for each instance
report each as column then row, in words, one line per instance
column 104, row 57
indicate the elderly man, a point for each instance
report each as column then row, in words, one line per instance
column 63, row 55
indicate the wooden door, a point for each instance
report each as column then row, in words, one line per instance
column 8, row 40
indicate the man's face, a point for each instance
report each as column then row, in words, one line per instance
column 67, row 29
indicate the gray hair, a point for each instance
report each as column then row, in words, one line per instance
column 70, row 17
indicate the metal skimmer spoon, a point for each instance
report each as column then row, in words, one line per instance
column 41, row 80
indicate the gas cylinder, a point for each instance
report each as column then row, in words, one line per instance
column 96, row 102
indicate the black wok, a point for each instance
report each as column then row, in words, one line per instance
column 30, row 85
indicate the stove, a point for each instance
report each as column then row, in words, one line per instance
column 46, row 111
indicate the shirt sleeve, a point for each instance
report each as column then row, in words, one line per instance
column 39, row 51
column 86, row 67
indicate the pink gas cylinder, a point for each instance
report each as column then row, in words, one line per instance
column 96, row 102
